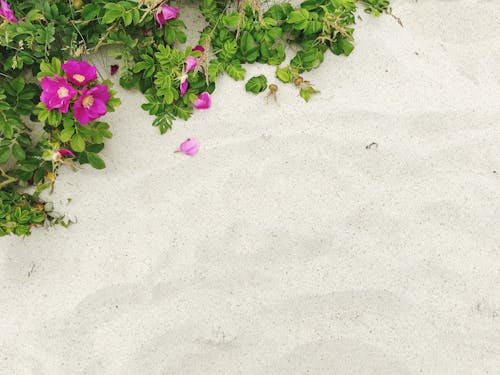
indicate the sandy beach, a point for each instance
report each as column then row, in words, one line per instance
column 286, row 246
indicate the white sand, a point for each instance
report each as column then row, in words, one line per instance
column 284, row 246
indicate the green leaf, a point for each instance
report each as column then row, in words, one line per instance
column 342, row 46
column 50, row 69
column 90, row 11
column 17, row 84
column 279, row 11
column 298, row 16
column 77, row 143
column 256, row 84
column 249, row 48
column 95, row 160
column 229, row 49
column 113, row 11
column 306, row 93
column 215, row 69
column 96, row 148
column 284, row 74
column 231, row 20
column 4, row 154
column 236, row 71
column 18, row 152
column 66, row 134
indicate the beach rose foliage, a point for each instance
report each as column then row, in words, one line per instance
column 53, row 40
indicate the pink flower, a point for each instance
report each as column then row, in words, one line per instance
column 183, row 87
column 63, row 153
column 191, row 63
column 57, row 93
column 165, row 13
column 79, row 72
column 91, row 104
column 6, row 12
column 203, row 101
column 189, row 147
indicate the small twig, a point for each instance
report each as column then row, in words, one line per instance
column 389, row 12
column 151, row 10
column 103, row 38
column 31, row 269
column 5, row 75
column 9, row 179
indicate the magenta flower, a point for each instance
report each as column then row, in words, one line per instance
column 189, row 147
column 203, row 101
column 57, row 93
column 91, row 104
column 66, row 153
column 79, row 72
column 191, row 63
column 6, row 12
column 165, row 13
column 62, row 153
column 198, row 48
column 183, row 87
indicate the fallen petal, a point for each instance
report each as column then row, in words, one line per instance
column 190, row 146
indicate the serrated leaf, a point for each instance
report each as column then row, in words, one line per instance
column 229, row 49
column 249, row 48
column 306, row 93
column 236, row 71
column 215, row 69
column 284, row 74
column 256, row 84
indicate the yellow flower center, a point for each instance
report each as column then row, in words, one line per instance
column 78, row 77
column 88, row 101
column 62, row 92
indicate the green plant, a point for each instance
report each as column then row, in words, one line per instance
column 37, row 36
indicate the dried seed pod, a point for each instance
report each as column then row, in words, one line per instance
column 273, row 88
column 298, row 81
column 77, row 4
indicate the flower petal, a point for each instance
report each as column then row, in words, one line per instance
column 198, row 48
column 183, row 88
column 57, row 93
column 6, row 12
column 203, row 101
column 79, row 72
column 190, row 146
column 66, row 153
column 165, row 13
column 191, row 63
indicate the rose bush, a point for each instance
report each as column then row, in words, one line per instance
column 47, row 82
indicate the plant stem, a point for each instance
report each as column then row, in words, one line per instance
column 9, row 179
